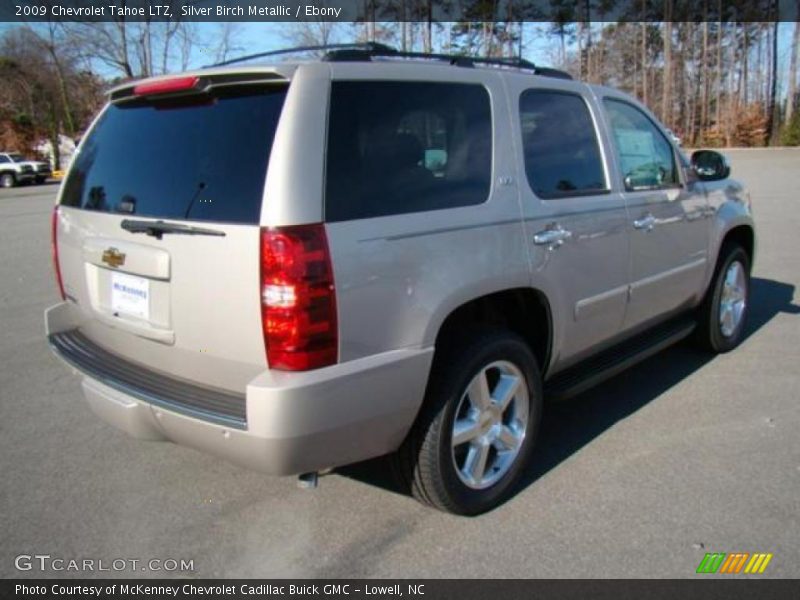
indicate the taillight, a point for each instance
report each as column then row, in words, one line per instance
column 54, row 247
column 166, row 86
column 298, row 298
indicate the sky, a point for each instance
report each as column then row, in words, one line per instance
column 262, row 37
column 253, row 37
column 539, row 47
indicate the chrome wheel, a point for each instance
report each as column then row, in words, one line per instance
column 490, row 424
column 733, row 299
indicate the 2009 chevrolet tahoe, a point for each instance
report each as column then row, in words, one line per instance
column 303, row 265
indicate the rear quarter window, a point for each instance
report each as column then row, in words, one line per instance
column 405, row 147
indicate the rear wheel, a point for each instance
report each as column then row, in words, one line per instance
column 478, row 425
column 7, row 180
column 723, row 313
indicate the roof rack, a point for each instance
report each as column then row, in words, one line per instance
column 365, row 47
column 371, row 50
column 382, row 51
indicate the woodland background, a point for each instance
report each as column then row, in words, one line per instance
column 716, row 83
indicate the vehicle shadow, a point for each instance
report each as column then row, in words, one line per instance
column 570, row 425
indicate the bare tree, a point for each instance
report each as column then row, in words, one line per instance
column 106, row 43
column 134, row 49
column 645, row 60
column 226, row 41
column 187, row 40
column 703, row 72
column 791, row 98
column 52, row 42
column 772, row 121
column 311, row 33
column 44, row 93
column 666, row 86
column 718, row 67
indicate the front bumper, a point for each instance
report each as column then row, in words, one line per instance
column 289, row 423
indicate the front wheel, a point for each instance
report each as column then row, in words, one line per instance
column 7, row 180
column 478, row 425
column 723, row 313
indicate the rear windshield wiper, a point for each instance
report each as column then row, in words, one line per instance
column 159, row 228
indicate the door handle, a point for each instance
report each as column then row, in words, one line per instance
column 647, row 222
column 554, row 236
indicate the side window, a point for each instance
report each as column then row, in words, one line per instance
column 403, row 147
column 562, row 155
column 646, row 157
column 4, row 159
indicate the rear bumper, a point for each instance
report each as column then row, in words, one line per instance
column 290, row 423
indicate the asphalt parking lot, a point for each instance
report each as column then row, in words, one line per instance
column 640, row 477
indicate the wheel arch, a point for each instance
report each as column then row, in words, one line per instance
column 524, row 311
column 743, row 235
column 738, row 232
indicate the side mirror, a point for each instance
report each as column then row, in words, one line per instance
column 710, row 165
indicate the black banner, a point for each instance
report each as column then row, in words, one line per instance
column 702, row 588
column 398, row 10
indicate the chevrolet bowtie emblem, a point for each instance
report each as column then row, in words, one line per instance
column 113, row 257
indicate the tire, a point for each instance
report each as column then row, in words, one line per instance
column 436, row 470
column 7, row 180
column 40, row 180
column 723, row 314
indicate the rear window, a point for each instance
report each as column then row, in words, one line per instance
column 199, row 158
column 403, row 147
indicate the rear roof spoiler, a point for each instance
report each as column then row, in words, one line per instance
column 192, row 83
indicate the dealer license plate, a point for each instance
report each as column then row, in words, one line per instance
column 130, row 295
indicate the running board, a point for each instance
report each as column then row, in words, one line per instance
column 608, row 363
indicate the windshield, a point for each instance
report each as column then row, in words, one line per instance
column 199, row 159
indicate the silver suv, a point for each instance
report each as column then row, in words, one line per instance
column 300, row 266
column 14, row 170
